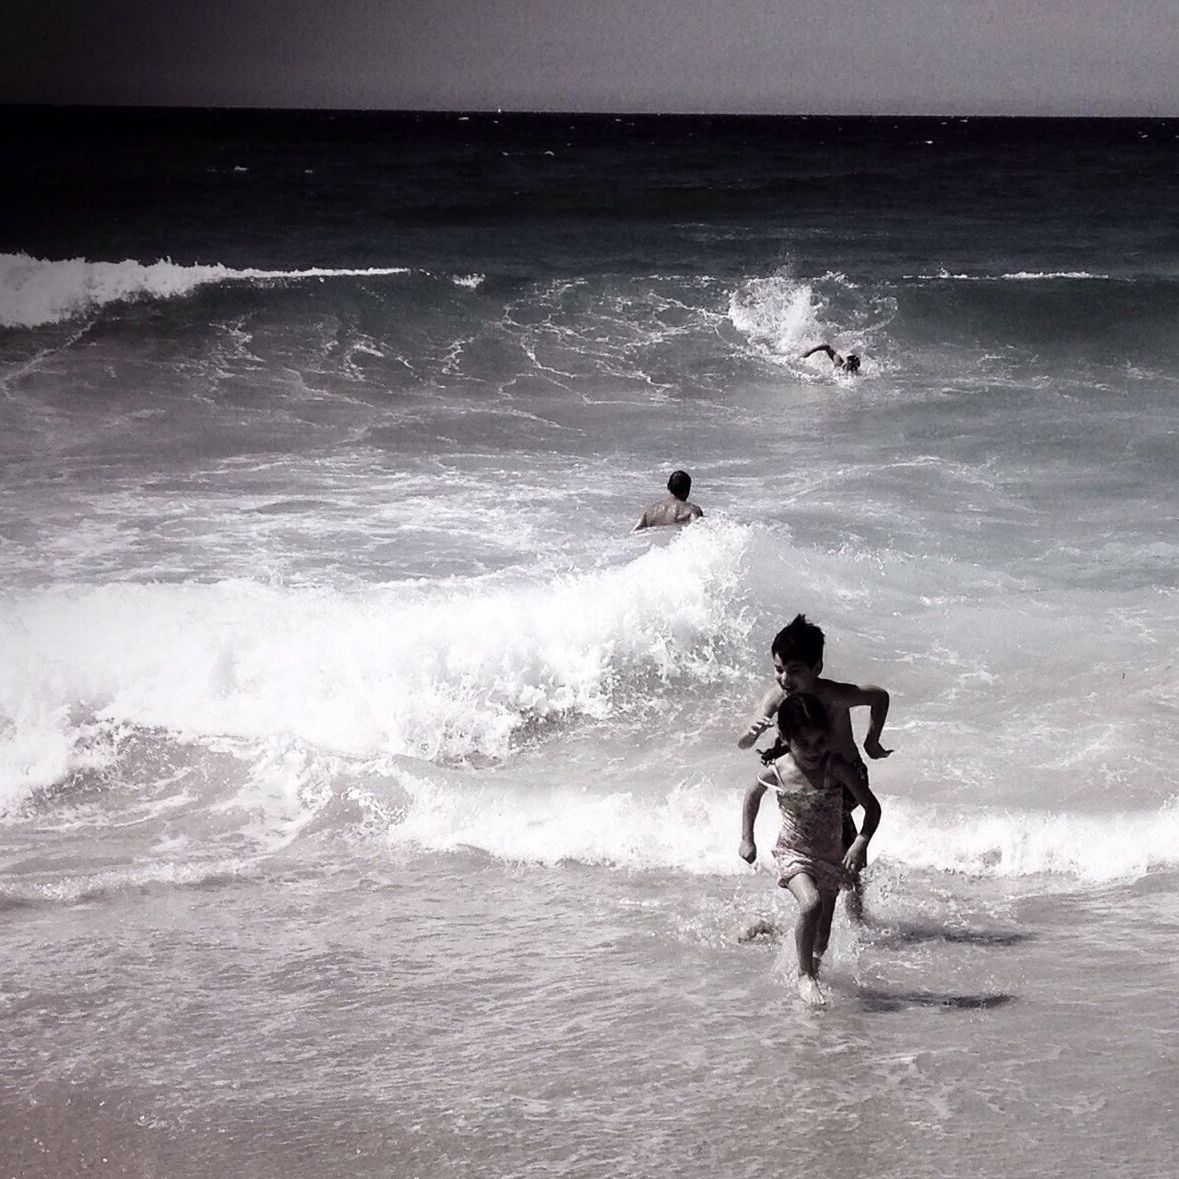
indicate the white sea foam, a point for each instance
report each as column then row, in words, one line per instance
column 436, row 670
column 980, row 841
column 779, row 313
column 69, row 889
column 1014, row 276
column 782, row 317
column 688, row 826
column 37, row 291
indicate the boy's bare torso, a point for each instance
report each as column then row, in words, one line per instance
column 834, row 697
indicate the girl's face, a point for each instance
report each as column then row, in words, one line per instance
column 807, row 746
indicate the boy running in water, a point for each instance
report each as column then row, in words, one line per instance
column 810, row 782
column 797, row 652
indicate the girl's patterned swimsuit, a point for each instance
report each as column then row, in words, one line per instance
column 810, row 840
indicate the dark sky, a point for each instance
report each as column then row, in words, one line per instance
column 1046, row 57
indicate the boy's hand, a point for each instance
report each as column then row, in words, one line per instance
column 856, row 856
column 874, row 749
column 747, row 851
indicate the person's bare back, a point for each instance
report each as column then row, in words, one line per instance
column 674, row 508
column 667, row 511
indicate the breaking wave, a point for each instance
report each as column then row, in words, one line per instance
column 35, row 291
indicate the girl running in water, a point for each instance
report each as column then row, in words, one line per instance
column 809, row 781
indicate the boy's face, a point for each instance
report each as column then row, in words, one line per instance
column 794, row 676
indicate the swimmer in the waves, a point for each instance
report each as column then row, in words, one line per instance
column 674, row 508
column 848, row 364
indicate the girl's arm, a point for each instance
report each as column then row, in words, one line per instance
column 856, row 855
column 748, row 849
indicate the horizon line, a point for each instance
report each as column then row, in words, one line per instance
column 468, row 112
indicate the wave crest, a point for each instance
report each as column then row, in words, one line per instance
column 438, row 671
column 37, row 291
column 688, row 826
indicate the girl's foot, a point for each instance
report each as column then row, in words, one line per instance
column 810, row 992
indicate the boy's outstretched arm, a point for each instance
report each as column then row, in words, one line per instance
column 763, row 718
column 856, row 855
column 876, row 701
column 748, row 849
column 757, row 726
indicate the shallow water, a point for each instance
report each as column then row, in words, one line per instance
column 460, row 1018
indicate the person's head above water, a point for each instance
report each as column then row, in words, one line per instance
column 673, row 508
column 679, row 484
column 852, row 363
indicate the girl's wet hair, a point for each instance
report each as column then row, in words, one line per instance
column 802, row 711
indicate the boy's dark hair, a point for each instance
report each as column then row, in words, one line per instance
column 802, row 711
column 679, row 484
column 852, row 363
column 800, row 640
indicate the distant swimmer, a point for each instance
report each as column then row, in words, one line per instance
column 674, row 508
column 849, row 363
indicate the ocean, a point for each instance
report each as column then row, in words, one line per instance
column 369, row 794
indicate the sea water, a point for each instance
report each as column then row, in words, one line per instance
column 369, row 796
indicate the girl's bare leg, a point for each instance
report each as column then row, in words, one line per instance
column 810, row 909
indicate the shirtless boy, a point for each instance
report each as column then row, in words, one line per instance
column 674, row 508
column 797, row 652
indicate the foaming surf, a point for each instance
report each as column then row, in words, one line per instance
column 434, row 670
column 689, row 826
column 782, row 315
column 234, row 803
column 37, row 291
column 1015, row 276
column 1022, row 843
